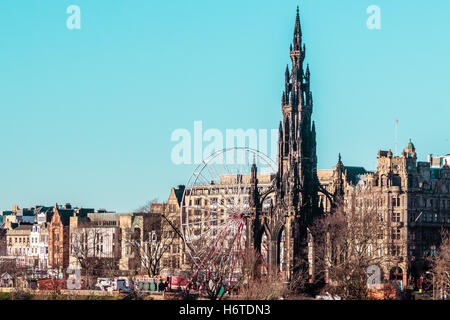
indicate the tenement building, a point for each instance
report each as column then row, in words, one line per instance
column 206, row 199
column 411, row 197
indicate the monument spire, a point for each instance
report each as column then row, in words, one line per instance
column 297, row 32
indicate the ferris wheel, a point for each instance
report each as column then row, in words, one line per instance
column 215, row 206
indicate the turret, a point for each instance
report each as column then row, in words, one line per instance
column 254, row 200
column 410, row 150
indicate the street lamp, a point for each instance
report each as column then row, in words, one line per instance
column 432, row 274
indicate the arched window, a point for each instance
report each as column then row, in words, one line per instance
column 265, row 248
column 396, row 181
column 281, row 249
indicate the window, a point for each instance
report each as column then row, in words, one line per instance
column 395, row 234
column 396, row 201
column 380, row 216
column 396, row 180
column 433, row 251
column 424, row 251
column 395, row 216
column 395, row 250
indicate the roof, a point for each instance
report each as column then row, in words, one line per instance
column 353, row 173
column 20, row 229
column 65, row 215
column 410, row 145
column 49, row 216
column 104, row 216
column 179, row 193
column 24, row 227
column 83, row 212
column 24, row 212
column 6, row 276
column 29, row 219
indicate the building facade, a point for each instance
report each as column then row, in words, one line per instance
column 59, row 235
column 95, row 237
column 18, row 245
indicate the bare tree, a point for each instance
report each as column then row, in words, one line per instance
column 259, row 281
column 10, row 267
column 146, row 208
column 346, row 243
column 151, row 246
column 299, row 284
column 440, row 268
column 91, row 248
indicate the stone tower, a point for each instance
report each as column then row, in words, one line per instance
column 296, row 184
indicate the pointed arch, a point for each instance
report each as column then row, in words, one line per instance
column 281, row 248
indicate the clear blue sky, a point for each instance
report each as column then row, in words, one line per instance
column 86, row 115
